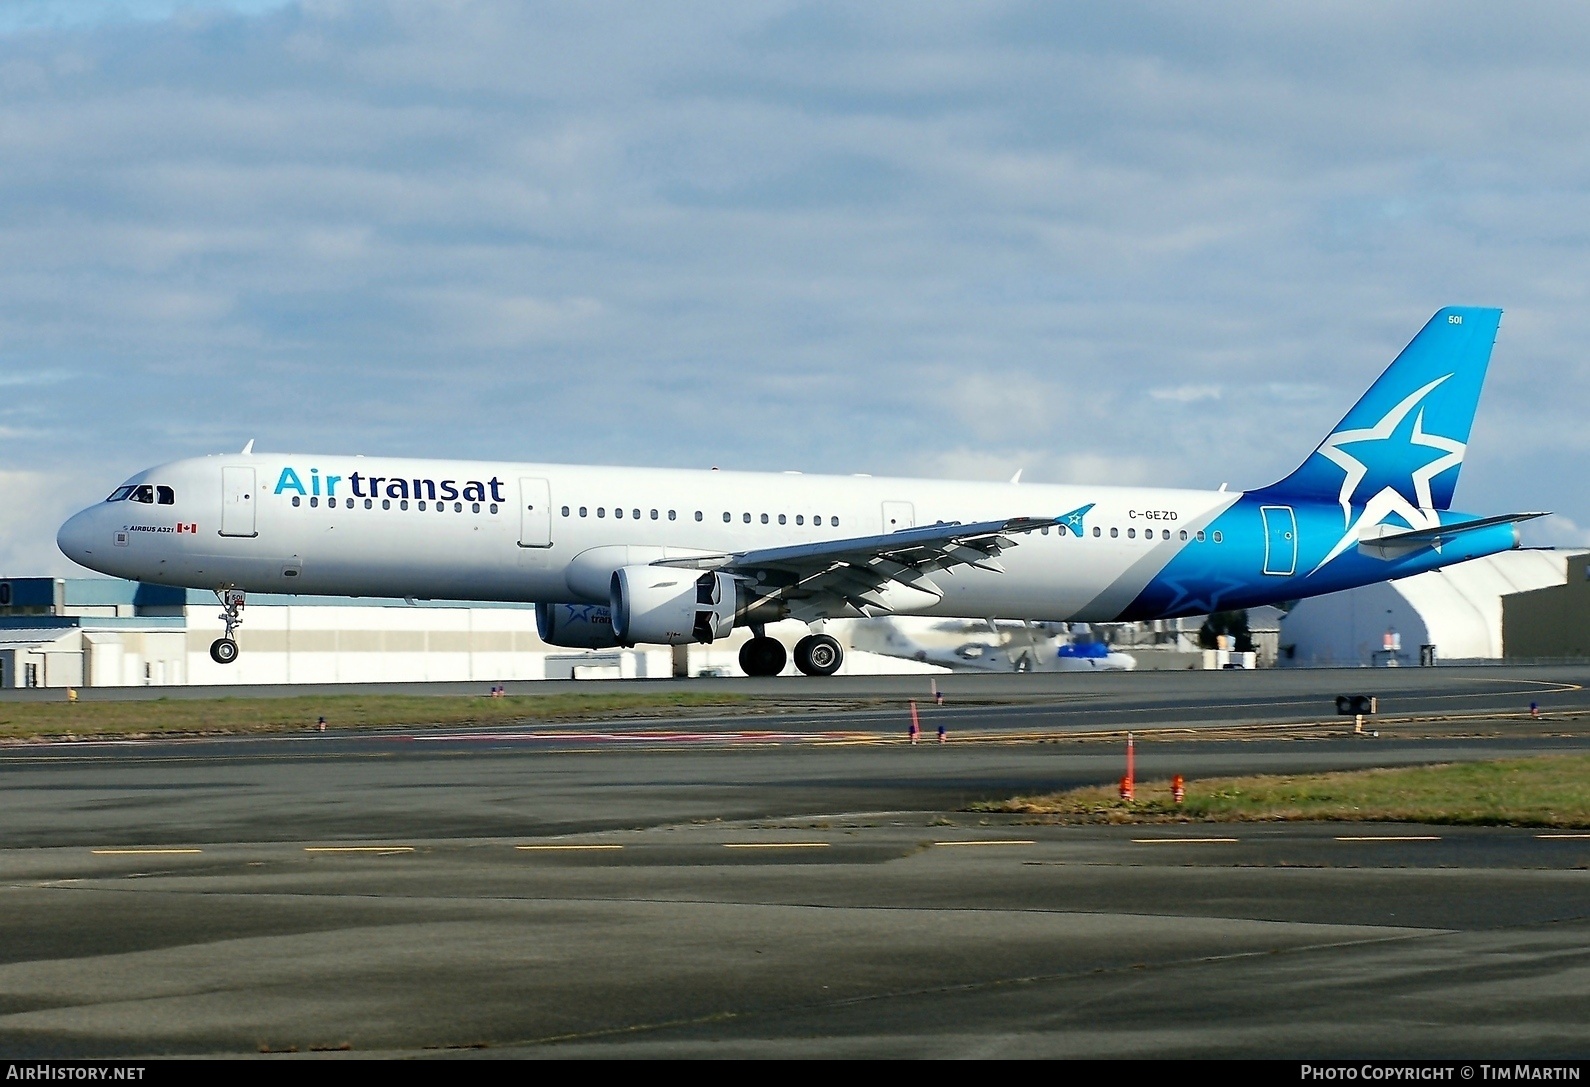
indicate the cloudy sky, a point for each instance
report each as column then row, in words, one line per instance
column 1103, row 243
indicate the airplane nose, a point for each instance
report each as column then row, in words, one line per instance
column 76, row 539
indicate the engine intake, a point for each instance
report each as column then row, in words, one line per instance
column 661, row 605
column 576, row 626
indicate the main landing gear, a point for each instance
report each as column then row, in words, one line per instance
column 762, row 656
column 224, row 649
column 815, row 655
column 818, row 655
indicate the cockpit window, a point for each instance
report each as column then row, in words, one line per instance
column 166, row 495
column 145, row 493
column 121, row 494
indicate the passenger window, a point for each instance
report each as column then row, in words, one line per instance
column 636, row 514
column 166, row 496
column 369, row 503
column 1184, row 534
column 1114, row 532
column 800, row 518
column 420, row 505
column 403, row 503
column 458, row 507
column 727, row 516
column 1095, row 530
column 493, row 507
column 1217, row 536
column 565, row 511
column 601, row 511
column 671, row 516
column 1044, row 530
column 386, row 503
column 781, row 518
column 120, row 494
column 617, row 513
column 1165, row 534
column 654, row 515
column 746, row 517
column 1200, row 535
column 297, row 500
column 474, row 507
column 698, row 515
column 1131, row 534
column 314, row 502
column 764, row 518
column 582, row 511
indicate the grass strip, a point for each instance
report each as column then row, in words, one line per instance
column 225, row 716
column 1544, row 791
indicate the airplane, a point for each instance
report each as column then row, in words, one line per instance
column 625, row 556
column 986, row 645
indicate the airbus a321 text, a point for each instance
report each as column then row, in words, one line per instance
column 623, row 556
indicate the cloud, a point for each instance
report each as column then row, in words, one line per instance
column 1120, row 244
column 1187, row 394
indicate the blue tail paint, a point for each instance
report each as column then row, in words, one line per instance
column 1408, row 433
column 1391, row 464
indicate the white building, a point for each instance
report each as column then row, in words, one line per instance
column 1449, row 614
column 101, row 632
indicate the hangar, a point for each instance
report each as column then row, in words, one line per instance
column 1452, row 614
column 102, row 632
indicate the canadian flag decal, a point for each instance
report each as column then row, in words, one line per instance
column 193, row 528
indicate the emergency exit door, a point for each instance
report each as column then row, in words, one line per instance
column 898, row 515
column 535, row 513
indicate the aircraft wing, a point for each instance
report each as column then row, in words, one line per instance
column 869, row 575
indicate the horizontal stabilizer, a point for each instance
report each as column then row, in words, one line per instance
column 1394, row 544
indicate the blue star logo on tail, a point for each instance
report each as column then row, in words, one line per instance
column 1398, row 462
column 1072, row 521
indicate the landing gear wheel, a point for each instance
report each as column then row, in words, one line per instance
column 763, row 657
column 223, row 651
column 818, row 655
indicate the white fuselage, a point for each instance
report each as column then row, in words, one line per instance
column 365, row 526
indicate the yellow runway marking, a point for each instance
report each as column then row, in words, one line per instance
column 775, row 845
column 994, row 841
column 563, row 848
column 1193, row 841
column 1390, row 838
column 141, row 852
column 358, row 849
column 1562, row 835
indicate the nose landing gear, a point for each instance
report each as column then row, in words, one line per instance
column 224, row 649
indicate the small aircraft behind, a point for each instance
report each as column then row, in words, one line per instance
column 987, row 645
column 627, row 556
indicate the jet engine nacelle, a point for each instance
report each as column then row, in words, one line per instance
column 669, row 606
column 576, row 626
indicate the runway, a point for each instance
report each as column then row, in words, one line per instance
column 797, row 884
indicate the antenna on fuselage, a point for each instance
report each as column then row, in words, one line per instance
column 249, row 448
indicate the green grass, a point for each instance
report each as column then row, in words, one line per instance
column 1548, row 791
column 33, row 720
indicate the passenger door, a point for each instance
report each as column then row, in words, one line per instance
column 1280, row 540
column 237, row 502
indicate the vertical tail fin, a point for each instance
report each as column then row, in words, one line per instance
column 1409, row 432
